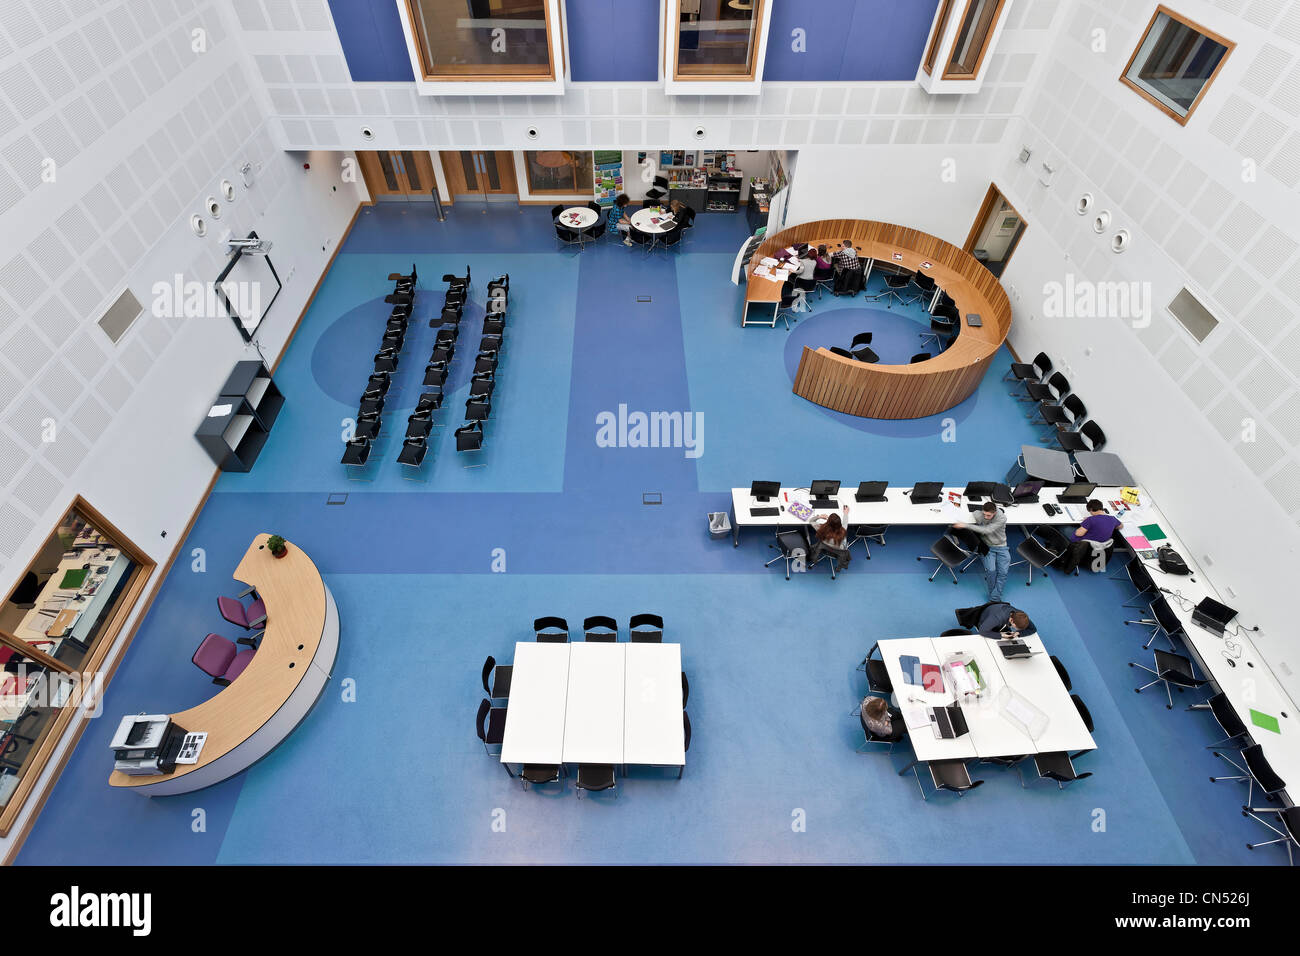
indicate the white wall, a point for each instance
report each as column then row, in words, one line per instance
column 1181, row 412
column 141, row 132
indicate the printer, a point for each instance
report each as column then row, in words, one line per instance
column 146, row 744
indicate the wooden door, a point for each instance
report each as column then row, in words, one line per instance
column 480, row 172
column 397, row 174
column 996, row 232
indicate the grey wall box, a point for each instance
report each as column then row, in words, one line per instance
column 239, row 421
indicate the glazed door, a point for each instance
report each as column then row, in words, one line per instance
column 480, row 173
column 397, row 174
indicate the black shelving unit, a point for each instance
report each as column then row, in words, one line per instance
column 244, row 413
column 724, row 194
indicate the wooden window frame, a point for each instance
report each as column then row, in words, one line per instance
column 474, row 73
column 131, row 595
column 936, row 36
column 998, row 9
column 528, row 176
column 759, row 39
column 1229, row 46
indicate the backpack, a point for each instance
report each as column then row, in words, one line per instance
column 1170, row 561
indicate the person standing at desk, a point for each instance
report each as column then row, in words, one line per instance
column 991, row 525
column 1098, row 527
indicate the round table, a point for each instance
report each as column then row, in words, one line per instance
column 642, row 221
column 578, row 217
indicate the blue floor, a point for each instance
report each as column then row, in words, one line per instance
column 397, row 775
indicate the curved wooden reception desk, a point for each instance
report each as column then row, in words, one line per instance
column 898, row 391
column 263, row 705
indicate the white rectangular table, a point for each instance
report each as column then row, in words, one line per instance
column 652, row 715
column 595, row 703
column 539, row 688
column 593, row 714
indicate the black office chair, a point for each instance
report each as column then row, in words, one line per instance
column 1226, row 715
column 957, row 632
column 863, row 532
column 657, row 192
column 539, row 774
column 499, row 687
column 876, row 671
column 805, row 286
column 1163, row 622
column 1170, row 670
column 948, row 554
column 1058, row 766
column 686, row 690
column 594, row 777
column 1089, row 437
column 869, row 737
column 793, row 545
column 824, row 278
column 950, row 775
column 551, row 630
column 941, row 331
column 1038, row 555
column 1256, row 773
column 491, row 727
column 786, row 304
column 1142, row 582
column 1290, row 836
column 435, row 374
column 600, row 628
column 1035, row 371
column 843, row 353
column 918, row 357
column 646, row 628
column 686, row 740
column 894, row 286
column 1061, row 672
column 1053, row 390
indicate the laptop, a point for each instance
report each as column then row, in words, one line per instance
column 1014, row 650
column 949, row 722
column 871, row 491
column 1212, row 615
column 978, row 490
column 1027, row 492
column 927, row 492
column 1077, row 493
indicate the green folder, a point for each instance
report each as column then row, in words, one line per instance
column 1267, row 721
column 73, row 579
column 1153, row 532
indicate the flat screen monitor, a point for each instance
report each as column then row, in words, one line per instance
column 976, row 490
column 825, row 489
column 926, row 492
column 765, row 490
column 1077, row 493
column 872, row 491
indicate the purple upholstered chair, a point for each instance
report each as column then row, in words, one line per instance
column 251, row 618
column 221, row 659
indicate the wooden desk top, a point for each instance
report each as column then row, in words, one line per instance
column 295, row 620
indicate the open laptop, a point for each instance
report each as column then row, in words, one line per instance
column 927, row 492
column 1212, row 615
column 948, row 722
column 978, row 490
column 1026, row 492
column 1015, row 650
column 1077, row 493
column 871, row 491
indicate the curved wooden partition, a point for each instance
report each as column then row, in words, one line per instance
column 898, row 391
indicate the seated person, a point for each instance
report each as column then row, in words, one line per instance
column 884, row 722
column 846, row 257
column 830, row 538
column 807, row 265
column 823, row 259
column 1098, row 526
column 619, row 217
column 996, row 619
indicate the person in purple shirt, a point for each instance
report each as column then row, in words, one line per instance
column 1098, row 526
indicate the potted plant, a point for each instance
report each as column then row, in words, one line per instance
column 277, row 545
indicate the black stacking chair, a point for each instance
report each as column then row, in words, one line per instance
column 445, row 336
column 918, row 357
column 501, row 282
column 1089, row 437
column 949, row 775
column 686, row 740
column 1141, row 579
column 491, row 727
column 1053, row 390
column 541, row 773
column 372, row 401
column 1061, row 672
column 657, row 192
column 1290, row 836
column 435, row 374
column 686, row 690
column 1066, row 415
column 844, row 353
column 551, row 630
column 556, row 210
column 486, row 362
column 457, row 282
column 1163, row 622
column 494, row 325
column 877, row 674
column 392, row 340
column 450, row 316
column 600, row 628
column 1039, row 555
column 386, row 360
column 896, row 717
column 380, row 381
column 490, row 343
column 1057, row 765
column 1086, row 716
column 499, row 688
column 428, row 403
column 1170, row 670
column 483, row 383
column 949, row 554
column 478, row 408
column 442, row 354
column 1035, row 371
column 418, row 425
column 1256, row 773
column 1229, row 720
column 413, row 451
column 646, row 629
column 368, row 425
column 865, row 354
column 469, row 437
column 594, row 777
column 398, row 277
column 356, row 452
column 956, row 632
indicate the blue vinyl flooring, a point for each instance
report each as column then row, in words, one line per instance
column 397, row 774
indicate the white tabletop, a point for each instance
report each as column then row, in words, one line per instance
column 1035, row 679
column 924, row 743
column 992, row 733
column 535, row 716
column 578, row 217
column 593, row 718
column 652, row 721
column 643, row 220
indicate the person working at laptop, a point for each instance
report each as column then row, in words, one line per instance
column 1098, row 527
column 996, row 619
column 991, row 525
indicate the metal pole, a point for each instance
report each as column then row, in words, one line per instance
column 437, row 203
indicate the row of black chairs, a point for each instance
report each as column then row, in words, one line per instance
column 1056, row 406
column 642, row 629
column 482, row 386
column 356, row 452
column 954, row 776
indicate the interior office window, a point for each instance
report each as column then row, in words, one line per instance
column 484, row 39
column 717, row 38
column 973, row 39
column 1175, row 63
column 1192, row 314
column 559, row 171
column 940, row 25
column 71, row 599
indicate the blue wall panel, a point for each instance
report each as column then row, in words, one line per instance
column 605, row 47
column 848, row 40
column 373, row 43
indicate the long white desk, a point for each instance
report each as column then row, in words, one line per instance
column 899, row 510
column 595, row 703
column 991, row 732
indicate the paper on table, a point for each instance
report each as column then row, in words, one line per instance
column 1266, row 721
column 768, row 261
column 219, row 411
column 916, row 716
column 1153, row 532
column 1137, row 542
